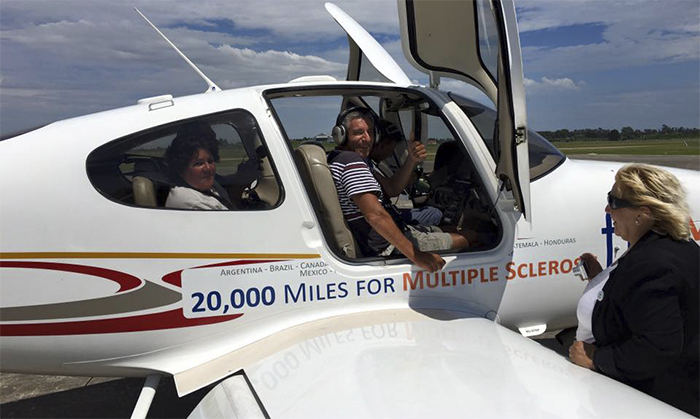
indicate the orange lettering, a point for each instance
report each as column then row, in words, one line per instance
column 436, row 282
column 542, row 268
column 567, row 269
column 520, row 270
column 532, row 272
column 454, row 277
column 554, row 267
column 511, row 271
column 493, row 273
column 407, row 281
column 694, row 231
column 472, row 274
column 444, row 282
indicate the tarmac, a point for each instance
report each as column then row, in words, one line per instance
column 682, row 162
column 39, row 396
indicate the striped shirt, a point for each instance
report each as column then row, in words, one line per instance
column 352, row 175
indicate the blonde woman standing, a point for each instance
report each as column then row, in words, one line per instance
column 644, row 319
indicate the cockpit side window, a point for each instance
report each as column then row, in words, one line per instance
column 216, row 162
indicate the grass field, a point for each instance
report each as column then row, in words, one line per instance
column 678, row 147
column 232, row 156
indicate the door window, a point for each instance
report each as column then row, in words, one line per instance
column 488, row 38
column 445, row 188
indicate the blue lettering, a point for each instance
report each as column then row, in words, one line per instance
column 375, row 286
column 198, row 305
column 237, row 298
column 343, row 289
column 360, row 286
column 389, row 283
column 608, row 231
column 376, row 289
column 214, row 300
column 288, row 292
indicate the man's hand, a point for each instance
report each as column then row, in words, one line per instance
column 581, row 354
column 428, row 261
column 394, row 185
column 381, row 221
column 416, row 153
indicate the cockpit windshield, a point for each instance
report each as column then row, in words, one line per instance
column 544, row 157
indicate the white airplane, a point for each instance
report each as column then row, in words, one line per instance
column 272, row 300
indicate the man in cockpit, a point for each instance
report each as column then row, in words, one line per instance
column 376, row 226
column 394, row 183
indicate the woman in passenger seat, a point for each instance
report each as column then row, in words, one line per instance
column 192, row 158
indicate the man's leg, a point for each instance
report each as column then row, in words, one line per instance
column 429, row 238
column 426, row 216
column 464, row 238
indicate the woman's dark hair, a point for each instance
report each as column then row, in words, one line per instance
column 190, row 138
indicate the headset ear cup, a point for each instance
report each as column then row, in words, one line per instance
column 338, row 134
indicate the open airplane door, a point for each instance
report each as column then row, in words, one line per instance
column 476, row 41
column 368, row 60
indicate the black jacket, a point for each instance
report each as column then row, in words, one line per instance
column 646, row 326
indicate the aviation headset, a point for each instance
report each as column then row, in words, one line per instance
column 340, row 132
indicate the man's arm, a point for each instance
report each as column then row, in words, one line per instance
column 398, row 182
column 381, row 221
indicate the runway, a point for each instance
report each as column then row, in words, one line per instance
column 40, row 396
column 682, row 162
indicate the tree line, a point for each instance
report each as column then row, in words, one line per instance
column 626, row 133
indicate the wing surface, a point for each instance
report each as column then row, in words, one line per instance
column 399, row 364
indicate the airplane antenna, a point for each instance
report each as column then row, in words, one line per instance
column 212, row 87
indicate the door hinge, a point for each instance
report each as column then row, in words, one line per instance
column 519, row 135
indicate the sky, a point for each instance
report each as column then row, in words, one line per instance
column 587, row 63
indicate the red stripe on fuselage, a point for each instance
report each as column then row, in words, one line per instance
column 126, row 282
column 173, row 319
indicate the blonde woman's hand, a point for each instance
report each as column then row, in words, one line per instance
column 592, row 265
column 581, row 354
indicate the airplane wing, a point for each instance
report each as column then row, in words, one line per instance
column 401, row 363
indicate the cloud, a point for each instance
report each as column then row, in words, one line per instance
column 636, row 33
column 269, row 66
column 78, row 56
column 548, row 85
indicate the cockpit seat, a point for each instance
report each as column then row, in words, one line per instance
column 313, row 166
column 149, row 183
column 144, row 191
column 267, row 187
